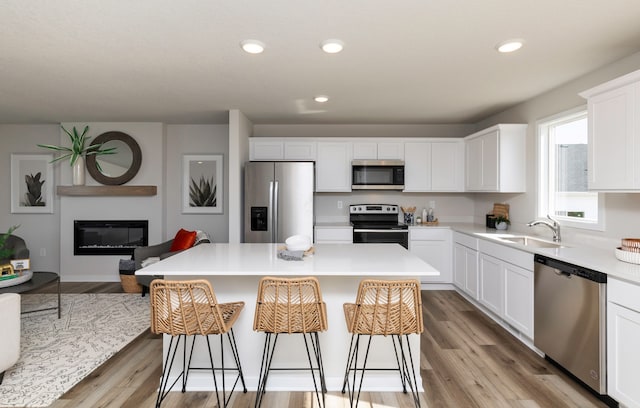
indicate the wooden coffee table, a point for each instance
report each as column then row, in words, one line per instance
column 39, row 280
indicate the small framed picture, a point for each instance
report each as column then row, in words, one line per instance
column 202, row 189
column 31, row 183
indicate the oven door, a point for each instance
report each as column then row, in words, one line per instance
column 381, row 236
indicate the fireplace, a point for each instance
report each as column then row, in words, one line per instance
column 119, row 237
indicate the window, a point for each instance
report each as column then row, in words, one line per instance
column 563, row 179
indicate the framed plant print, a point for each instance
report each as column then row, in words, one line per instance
column 32, row 183
column 202, row 189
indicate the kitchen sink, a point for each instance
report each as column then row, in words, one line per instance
column 531, row 242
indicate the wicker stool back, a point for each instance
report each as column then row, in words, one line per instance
column 190, row 308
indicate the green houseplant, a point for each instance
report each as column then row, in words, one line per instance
column 5, row 253
column 77, row 152
column 502, row 222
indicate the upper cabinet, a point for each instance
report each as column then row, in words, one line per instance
column 371, row 150
column 434, row 166
column 333, row 167
column 614, row 134
column 281, row 149
column 496, row 159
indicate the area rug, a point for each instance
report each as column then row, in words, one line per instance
column 55, row 354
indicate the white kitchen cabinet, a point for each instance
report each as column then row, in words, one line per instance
column 506, row 284
column 281, row 149
column 266, row 149
column 373, row 150
column 465, row 264
column 495, row 159
column 518, row 298
column 303, row 150
column 491, row 283
column 333, row 167
column 333, row 235
column 614, row 132
column 433, row 245
column 623, row 338
column 434, row 166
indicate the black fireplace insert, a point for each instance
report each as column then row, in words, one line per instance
column 111, row 237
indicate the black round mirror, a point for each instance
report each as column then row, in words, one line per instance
column 118, row 168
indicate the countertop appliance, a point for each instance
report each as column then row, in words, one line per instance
column 570, row 319
column 377, row 223
column 278, row 200
column 377, row 175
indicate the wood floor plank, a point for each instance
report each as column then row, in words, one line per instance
column 467, row 361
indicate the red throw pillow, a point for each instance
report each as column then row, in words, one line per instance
column 184, row 239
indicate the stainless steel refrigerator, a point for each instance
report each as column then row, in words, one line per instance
column 278, row 200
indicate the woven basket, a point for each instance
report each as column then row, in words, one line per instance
column 130, row 284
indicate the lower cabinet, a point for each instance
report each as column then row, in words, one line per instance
column 623, row 338
column 505, row 284
column 491, row 283
column 432, row 245
column 333, row 235
column 465, row 264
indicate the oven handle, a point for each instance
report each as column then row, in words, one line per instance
column 384, row 231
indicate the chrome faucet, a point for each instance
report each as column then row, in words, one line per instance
column 554, row 225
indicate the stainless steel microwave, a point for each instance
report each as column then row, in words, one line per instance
column 377, row 175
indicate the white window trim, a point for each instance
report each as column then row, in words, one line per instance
column 543, row 174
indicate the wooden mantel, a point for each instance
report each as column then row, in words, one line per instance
column 86, row 191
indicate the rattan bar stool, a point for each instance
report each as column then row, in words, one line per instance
column 290, row 306
column 387, row 308
column 190, row 308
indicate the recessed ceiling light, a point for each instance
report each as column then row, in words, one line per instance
column 332, row 46
column 509, row 45
column 252, row 46
column 321, row 98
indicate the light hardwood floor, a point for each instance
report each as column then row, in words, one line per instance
column 467, row 361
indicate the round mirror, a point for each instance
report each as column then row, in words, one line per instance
column 117, row 168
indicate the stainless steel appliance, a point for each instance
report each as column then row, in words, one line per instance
column 569, row 319
column 377, row 223
column 278, row 200
column 377, row 175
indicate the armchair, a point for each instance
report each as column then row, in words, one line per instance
column 160, row 251
column 10, row 323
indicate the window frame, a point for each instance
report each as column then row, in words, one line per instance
column 542, row 203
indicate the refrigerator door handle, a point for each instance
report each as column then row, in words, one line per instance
column 270, row 211
column 275, row 213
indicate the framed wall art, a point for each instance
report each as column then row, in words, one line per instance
column 202, row 189
column 32, row 183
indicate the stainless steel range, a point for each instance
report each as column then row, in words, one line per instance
column 378, row 223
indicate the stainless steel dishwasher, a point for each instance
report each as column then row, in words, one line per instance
column 570, row 319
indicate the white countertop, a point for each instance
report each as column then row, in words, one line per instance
column 261, row 259
column 599, row 259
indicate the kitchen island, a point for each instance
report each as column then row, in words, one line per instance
column 235, row 270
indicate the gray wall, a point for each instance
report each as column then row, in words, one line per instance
column 40, row 231
column 621, row 209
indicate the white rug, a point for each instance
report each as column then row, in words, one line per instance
column 55, row 354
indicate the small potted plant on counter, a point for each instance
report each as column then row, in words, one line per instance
column 502, row 222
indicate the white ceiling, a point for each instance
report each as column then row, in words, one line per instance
column 411, row 61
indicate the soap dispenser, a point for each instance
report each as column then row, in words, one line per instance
column 424, row 215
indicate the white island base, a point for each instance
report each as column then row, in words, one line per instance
column 235, row 270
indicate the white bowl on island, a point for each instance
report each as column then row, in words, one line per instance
column 298, row 243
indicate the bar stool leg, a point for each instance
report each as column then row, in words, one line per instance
column 236, row 357
column 320, row 370
column 164, row 379
column 267, row 358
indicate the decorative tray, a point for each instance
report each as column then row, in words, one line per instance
column 430, row 223
column 627, row 256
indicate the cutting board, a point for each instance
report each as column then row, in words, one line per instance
column 501, row 210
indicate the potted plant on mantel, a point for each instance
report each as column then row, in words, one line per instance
column 77, row 152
